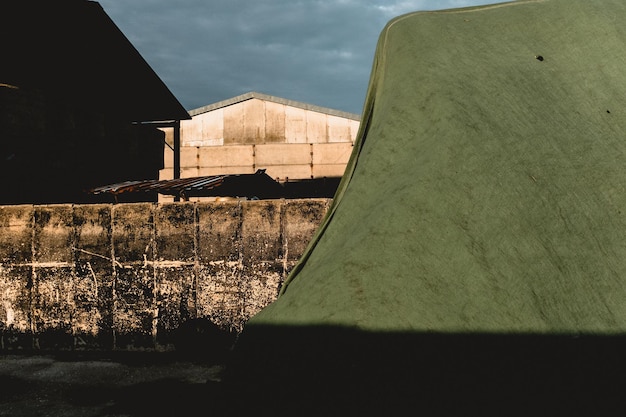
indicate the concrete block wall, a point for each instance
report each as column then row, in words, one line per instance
column 126, row 276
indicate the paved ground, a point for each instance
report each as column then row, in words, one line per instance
column 107, row 385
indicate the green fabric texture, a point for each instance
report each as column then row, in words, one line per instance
column 487, row 187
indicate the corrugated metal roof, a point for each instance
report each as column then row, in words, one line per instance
column 257, row 185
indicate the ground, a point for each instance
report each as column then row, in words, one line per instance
column 108, row 385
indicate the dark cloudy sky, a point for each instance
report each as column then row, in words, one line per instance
column 315, row 51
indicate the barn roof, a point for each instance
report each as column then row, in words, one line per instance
column 73, row 49
column 266, row 97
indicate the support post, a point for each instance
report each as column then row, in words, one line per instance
column 176, row 174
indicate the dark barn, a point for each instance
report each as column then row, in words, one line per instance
column 79, row 106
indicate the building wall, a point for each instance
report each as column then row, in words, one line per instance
column 281, row 161
column 289, row 142
column 126, row 276
column 258, row 121
column 54, row 151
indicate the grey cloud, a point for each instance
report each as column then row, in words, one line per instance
column 316, row 51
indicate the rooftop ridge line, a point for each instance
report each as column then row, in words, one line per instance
column 279, row 100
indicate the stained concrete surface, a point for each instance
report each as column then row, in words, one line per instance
column 129, row 384
column 128, row 275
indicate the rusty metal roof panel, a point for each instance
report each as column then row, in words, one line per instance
column 124, row 187
column 194, row 183
column 259, row 185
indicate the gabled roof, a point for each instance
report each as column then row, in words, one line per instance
column 72, row 49
column 266, row 97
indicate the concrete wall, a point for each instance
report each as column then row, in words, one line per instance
column 126, row 276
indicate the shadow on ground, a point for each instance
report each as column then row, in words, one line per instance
column 104, row 384
column 330, row 371
column 315, row 371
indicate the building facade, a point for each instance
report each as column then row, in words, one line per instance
column 297, row 144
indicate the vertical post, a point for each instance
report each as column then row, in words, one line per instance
column 176, row 153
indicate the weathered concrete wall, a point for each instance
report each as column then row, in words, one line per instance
column 126, row 276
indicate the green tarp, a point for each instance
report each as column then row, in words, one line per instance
column 486, row 195
column 487, row 189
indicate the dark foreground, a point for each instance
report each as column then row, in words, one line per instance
column 330, row 372
column 71, row 384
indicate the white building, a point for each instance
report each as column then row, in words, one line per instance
column 292, row 141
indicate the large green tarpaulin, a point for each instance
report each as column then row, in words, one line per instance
column 486, row 195
column 487, row 189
